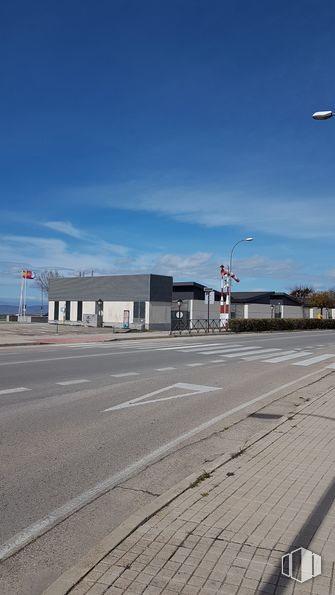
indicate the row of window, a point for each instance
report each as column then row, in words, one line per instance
column 139, row 311
column 67, row 311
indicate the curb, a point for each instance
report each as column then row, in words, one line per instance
column 70, row 578
column 121, row 338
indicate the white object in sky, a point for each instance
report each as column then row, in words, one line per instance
column 322, row 115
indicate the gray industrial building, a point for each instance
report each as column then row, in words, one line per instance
column 151, row 302
column 129, row 301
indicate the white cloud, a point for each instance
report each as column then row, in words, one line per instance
column 40, row 253
column 292, row 217
column 66, row 228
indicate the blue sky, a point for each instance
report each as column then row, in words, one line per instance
column 151, row 136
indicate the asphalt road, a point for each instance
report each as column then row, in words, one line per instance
column 81, row 426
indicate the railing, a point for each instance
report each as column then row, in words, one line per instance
column 196, row 326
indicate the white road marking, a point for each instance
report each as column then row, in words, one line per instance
column 55, row 359
column 125, row 374
column 165, row 369
column 256, row 357
column 228, row 350
column 53, row 518
column 9, row 391
column 252, row 352
column 195, row 389
column 188, row 347
column 207, row 347
column 331, row 366
column 284, row 358
column 195, row 365
column 68, row 382
column 217, row 361
column 314, row 360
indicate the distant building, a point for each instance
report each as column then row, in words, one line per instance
column 244, row 304
column 128, row 301
column 151, row 302
column 266, row 304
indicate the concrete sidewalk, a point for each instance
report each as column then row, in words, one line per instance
column 225, row 533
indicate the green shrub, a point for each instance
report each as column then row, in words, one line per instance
column 258, row 325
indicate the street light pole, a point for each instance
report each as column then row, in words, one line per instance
column 323, row 115
column 231, row 271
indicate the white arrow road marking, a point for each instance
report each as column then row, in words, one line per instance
column 193, row 389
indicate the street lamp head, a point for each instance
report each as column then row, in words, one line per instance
column 322, row 115
column 248, row 239
column 180, row 303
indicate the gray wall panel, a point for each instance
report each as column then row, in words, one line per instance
column 112, row 288
column 160, row 288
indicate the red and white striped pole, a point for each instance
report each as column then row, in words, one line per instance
column 225, row 300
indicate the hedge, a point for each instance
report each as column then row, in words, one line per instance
column 278, row 324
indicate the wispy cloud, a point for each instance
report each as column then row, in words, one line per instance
column 41, row 253
column 66, row 228
column 214, row 206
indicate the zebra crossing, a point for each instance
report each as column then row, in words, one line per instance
column 225, row 351
column 296, row 356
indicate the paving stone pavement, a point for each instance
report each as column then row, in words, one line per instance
column 227, row 534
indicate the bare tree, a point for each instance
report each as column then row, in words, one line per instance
column 302, row 293
column 42, row 279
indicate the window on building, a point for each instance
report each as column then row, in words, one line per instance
column 79, row 311
column 139, row 310
column 56, row 311
column 67, row 310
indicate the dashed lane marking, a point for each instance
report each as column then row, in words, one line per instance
column 165, row 369
column 9, row 391
column 195, row 365
column 125, row 374
column 68, row 382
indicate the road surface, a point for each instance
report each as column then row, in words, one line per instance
column 89, row 433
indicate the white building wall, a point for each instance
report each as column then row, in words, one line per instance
column 51, row 311
column 61, row 313
column 147, row 315
column 73, row 311
column 113, row 312
column 89, row 308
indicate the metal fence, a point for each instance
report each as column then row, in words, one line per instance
column 196, row 325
